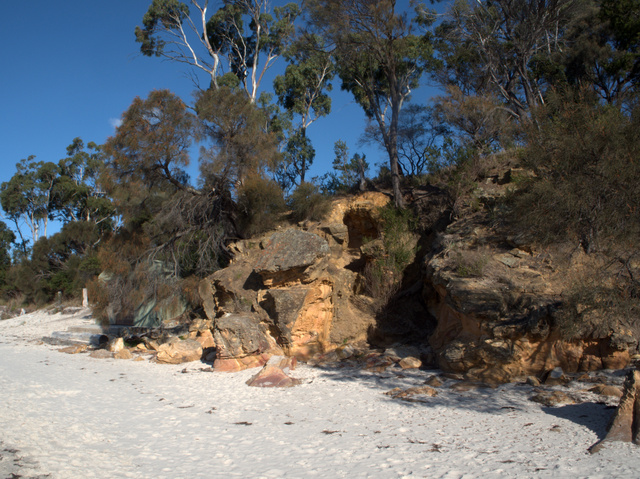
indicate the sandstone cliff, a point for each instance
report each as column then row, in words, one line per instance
column 483, row 300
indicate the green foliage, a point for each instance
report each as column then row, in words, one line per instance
column 348, row 172
column 126, row 284
column 145, row 160
column 242, row 37
column 62, row 263
column 28, row 197
column 602, row 51
column 384, row 272
column 261, row 203
column 308, row 203
column 587, row 184
column 242, row 142
column 77, row 191
column 303, row 92
column 379, row 59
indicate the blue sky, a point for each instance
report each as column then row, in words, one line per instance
column 72, row 67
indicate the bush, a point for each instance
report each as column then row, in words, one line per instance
column 470, row 263
column 261, row 203
column 596, row 304
column 587, row 184
column 308, row 203
column 383, row 274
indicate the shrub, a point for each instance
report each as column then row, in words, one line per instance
column 383, row 274
column 261, row 203
column 470, row 263
column 587, row 184
column 308, row 203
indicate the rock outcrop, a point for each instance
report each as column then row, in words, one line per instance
column 479, row 301
column 498, row 303
column 293, row 292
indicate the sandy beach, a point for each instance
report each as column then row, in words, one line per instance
column 72, row 416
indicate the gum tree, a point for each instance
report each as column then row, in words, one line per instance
column 236, row 44
column 380, row 59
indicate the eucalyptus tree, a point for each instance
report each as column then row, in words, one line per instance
column 303, row 92
column 504, row 47
column 79, row 194
column 28, row 198
column 380, row 59
column 145, row 174
column 234, row 45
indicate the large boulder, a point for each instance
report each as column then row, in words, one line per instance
column 287, row 254
column 294, row 292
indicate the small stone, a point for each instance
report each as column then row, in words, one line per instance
column 123, row 354
column 101, row 354
column 80, row 348
column 464, row 386
column 552, row 398
column 434, row 381
column 115, row 345
column 604, row 390
column 179, row 351
column 533, row 381
column 556, row 377
column 410, row 363
column 272, row 376
column 400, row 393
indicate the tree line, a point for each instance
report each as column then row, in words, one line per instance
column 514, row 75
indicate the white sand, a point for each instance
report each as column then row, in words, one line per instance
column 71, row 416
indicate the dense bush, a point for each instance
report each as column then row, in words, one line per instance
column 260, row 204
column 587, row 186
column 388, row 260
column 307, row 203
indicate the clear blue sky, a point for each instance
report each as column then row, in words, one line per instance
column 71, row 68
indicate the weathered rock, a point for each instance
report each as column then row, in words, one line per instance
column 533, row 381
column 434, row 381
column 556, row 377
column 101, row 354
column 497, row 310
column 287, row 253
column 123, row 354
column 115, row 345
column 205, row 338
column 240, row 335
column 624, row 426
column 79, row 348
column 604, row 390
column 400, row 393
column 275, row 374
column 464, row 386
column 410, row 363
column 552, row 398
column 230, row 365
column 284, row 307
column 178, row 351
column 378, row 363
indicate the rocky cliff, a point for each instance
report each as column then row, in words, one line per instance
column 483, row 301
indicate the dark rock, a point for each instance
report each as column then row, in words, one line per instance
column 239, row 335
column 289, row 252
